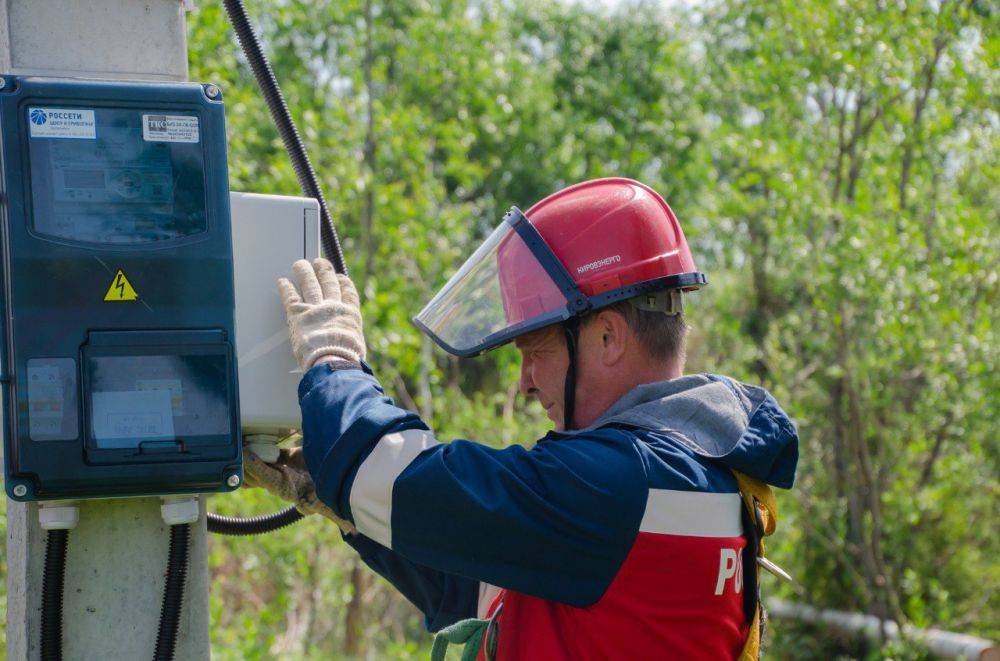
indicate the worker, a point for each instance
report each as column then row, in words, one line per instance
column 629, row 531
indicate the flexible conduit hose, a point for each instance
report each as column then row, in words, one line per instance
column 268, row 85
column 254, row 525
column 173, row 592
column 53, row 579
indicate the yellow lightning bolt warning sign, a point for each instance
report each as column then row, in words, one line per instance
column 121, row 289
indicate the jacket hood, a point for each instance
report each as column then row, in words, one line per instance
column 738, row 425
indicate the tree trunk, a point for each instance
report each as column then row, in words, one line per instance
column 369, row 167
column 354, row 614
column 760, row 313
column 919, row 103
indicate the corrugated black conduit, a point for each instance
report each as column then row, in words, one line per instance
column 268, row 84
column 253, row 525
column 53, row 579
column 173, row 592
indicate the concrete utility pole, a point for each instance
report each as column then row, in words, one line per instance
column 118, row 553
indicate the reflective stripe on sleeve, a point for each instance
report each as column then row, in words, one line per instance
column 371, row 493
column 487, row 593
column 692, row 513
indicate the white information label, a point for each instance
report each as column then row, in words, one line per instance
column 45, row 400
column 123, row 418
column 170, row 128
column 62, row 123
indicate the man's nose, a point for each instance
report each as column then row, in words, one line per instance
column 526, row 386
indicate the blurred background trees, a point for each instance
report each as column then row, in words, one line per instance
column 835, row 165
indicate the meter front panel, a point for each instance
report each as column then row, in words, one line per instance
column 118, row 359
column 118, row 188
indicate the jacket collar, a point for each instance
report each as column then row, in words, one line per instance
column 740, row 425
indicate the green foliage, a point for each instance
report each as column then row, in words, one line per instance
column 835, row 167
column 834, row 164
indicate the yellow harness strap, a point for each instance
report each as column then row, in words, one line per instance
column 760, row 503
column 751, row 650
column 757, row 495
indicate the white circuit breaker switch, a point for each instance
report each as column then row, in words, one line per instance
column 270, row 232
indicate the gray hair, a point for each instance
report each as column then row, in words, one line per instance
column 661, row 334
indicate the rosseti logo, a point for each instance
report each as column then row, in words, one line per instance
column 38, row 116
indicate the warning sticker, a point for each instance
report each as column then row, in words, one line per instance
column 62, row 123
column 170, row 128
column 121, row 289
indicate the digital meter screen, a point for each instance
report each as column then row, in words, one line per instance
column 116, row 176
column 138, row 400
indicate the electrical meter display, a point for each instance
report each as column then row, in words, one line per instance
column 119, row 370
column 126, row 185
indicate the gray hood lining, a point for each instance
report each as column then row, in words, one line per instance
column 706, row 414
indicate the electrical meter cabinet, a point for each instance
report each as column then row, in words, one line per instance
column 118, row 371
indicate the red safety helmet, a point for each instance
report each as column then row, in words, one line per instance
column 580, row 249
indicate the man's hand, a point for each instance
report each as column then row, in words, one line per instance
column 289, row 480
column 324, row 315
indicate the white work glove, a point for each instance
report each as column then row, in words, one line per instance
column 289, row 480
column 324, row 314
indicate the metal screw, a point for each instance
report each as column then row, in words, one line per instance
column 20, row 490
column 212, row 92
column 233, row 481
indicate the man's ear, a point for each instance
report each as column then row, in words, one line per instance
column 614, row 334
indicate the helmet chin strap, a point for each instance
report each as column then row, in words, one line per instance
column 571, row 329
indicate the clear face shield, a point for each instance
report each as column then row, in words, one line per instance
column 514, row 284
column 510, row 286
